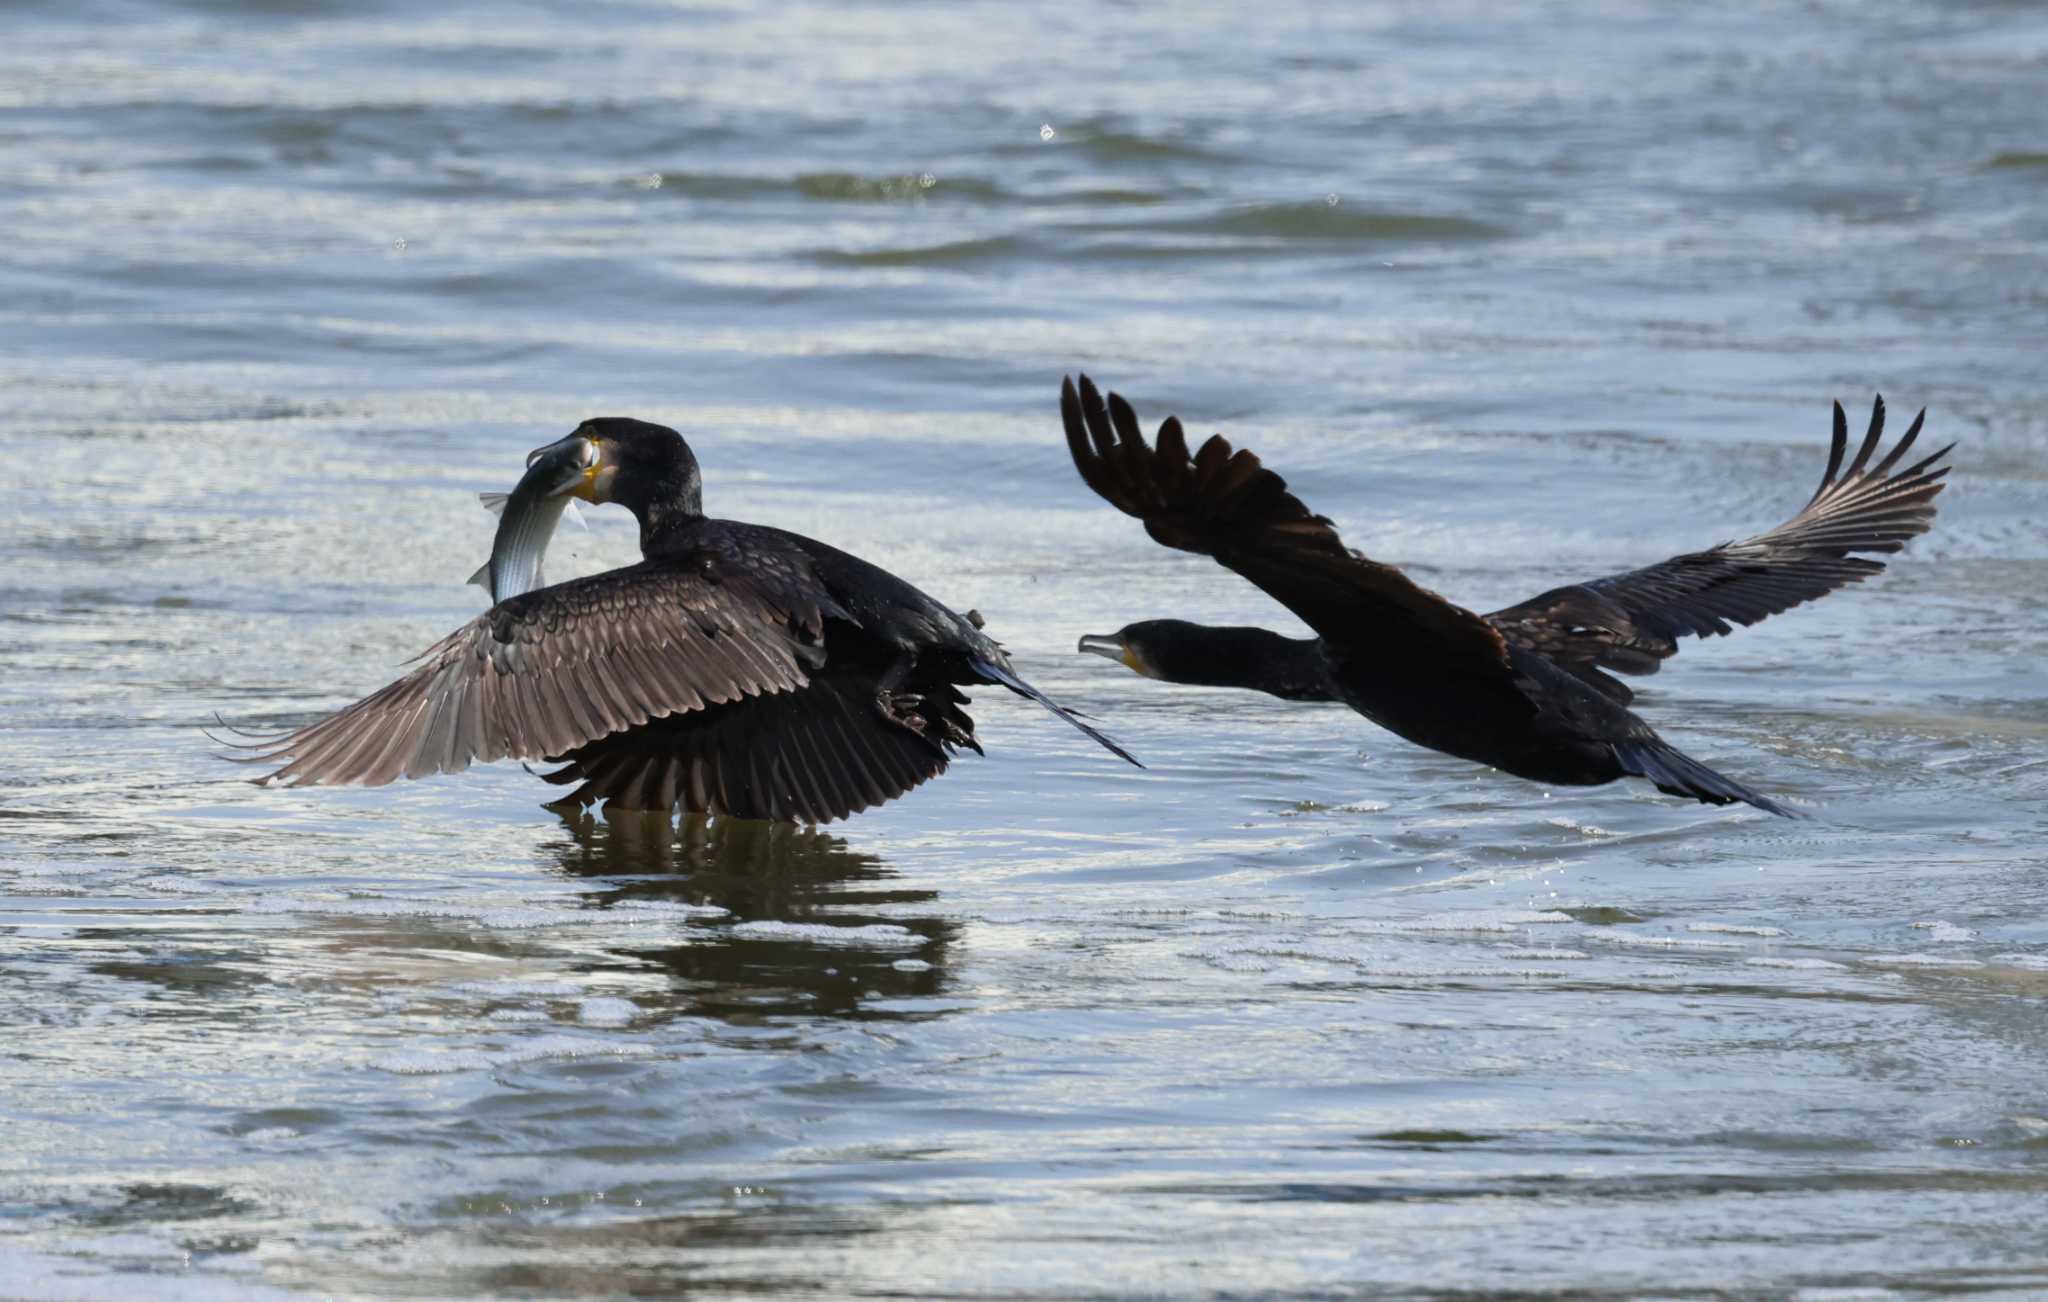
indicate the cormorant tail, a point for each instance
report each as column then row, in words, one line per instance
column 997, row 674
column 1679, row 775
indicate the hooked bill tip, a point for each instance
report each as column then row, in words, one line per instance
column 575, row 450
column 560, row 467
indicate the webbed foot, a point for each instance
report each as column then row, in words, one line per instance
column 902, row 708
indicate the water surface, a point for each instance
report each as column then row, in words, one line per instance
column 1297, row 1010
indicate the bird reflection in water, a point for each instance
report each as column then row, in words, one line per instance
column 765, row 872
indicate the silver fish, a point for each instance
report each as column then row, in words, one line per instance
column 528, row 517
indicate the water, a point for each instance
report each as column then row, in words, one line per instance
column 1299, row 1009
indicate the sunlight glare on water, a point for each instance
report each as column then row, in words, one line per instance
column 1517, row 297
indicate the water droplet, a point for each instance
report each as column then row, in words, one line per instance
column 926, row 180
column 1046, row 132
column 1331, row 199
column 398, row 246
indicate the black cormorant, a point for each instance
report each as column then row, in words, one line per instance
column 737, row 669
column 1523, row 689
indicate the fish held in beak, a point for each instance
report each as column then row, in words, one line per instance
column 574, row 466
column 529, row 514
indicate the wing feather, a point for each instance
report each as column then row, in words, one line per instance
column 1223, row 503
column 558, row 668
column 817, row 753
column 1632, row 621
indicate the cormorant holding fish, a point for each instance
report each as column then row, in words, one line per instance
column 737, row 669
column 1523, row 689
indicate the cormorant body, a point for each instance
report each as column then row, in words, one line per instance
column 1527, row 689
column 737, row 669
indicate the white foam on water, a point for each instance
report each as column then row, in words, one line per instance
column 172, row 884
column 823, row 933
column 1481, row 920
column 1660, row 942
column 1537, row 952
column 2031, row 962
column 1736, row 929
column 911, row 965
column 502, row 918
column 1585, row 829
column 673, row 908
column 1316, row 951
column 607, row 1010
column 271, row 1135
column 1799, row 964
column 1945, row 933
column 1921, row 960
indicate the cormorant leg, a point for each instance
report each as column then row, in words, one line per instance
column 898, row 707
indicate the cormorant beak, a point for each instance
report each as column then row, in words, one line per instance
column 580, row 467
column 1112, row 646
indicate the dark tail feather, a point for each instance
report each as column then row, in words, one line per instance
column 997, row 674
column 1678, row 775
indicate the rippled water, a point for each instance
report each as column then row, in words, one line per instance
column 1298, row 1010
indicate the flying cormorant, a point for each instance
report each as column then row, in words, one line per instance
column 737, row 669
column 1523, row 689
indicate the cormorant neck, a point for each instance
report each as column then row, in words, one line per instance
column 667, row 518
column 1256, row 659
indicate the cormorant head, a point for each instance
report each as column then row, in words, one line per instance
column 644, row 467
column 1175, row 651
column 1145, row 646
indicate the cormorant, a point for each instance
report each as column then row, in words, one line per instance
column 1522, row 689
column 737, row 669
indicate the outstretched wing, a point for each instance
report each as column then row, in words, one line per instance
column 560, row 667
column 821, row 752
column 1631, row 622
column 1224, row 504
